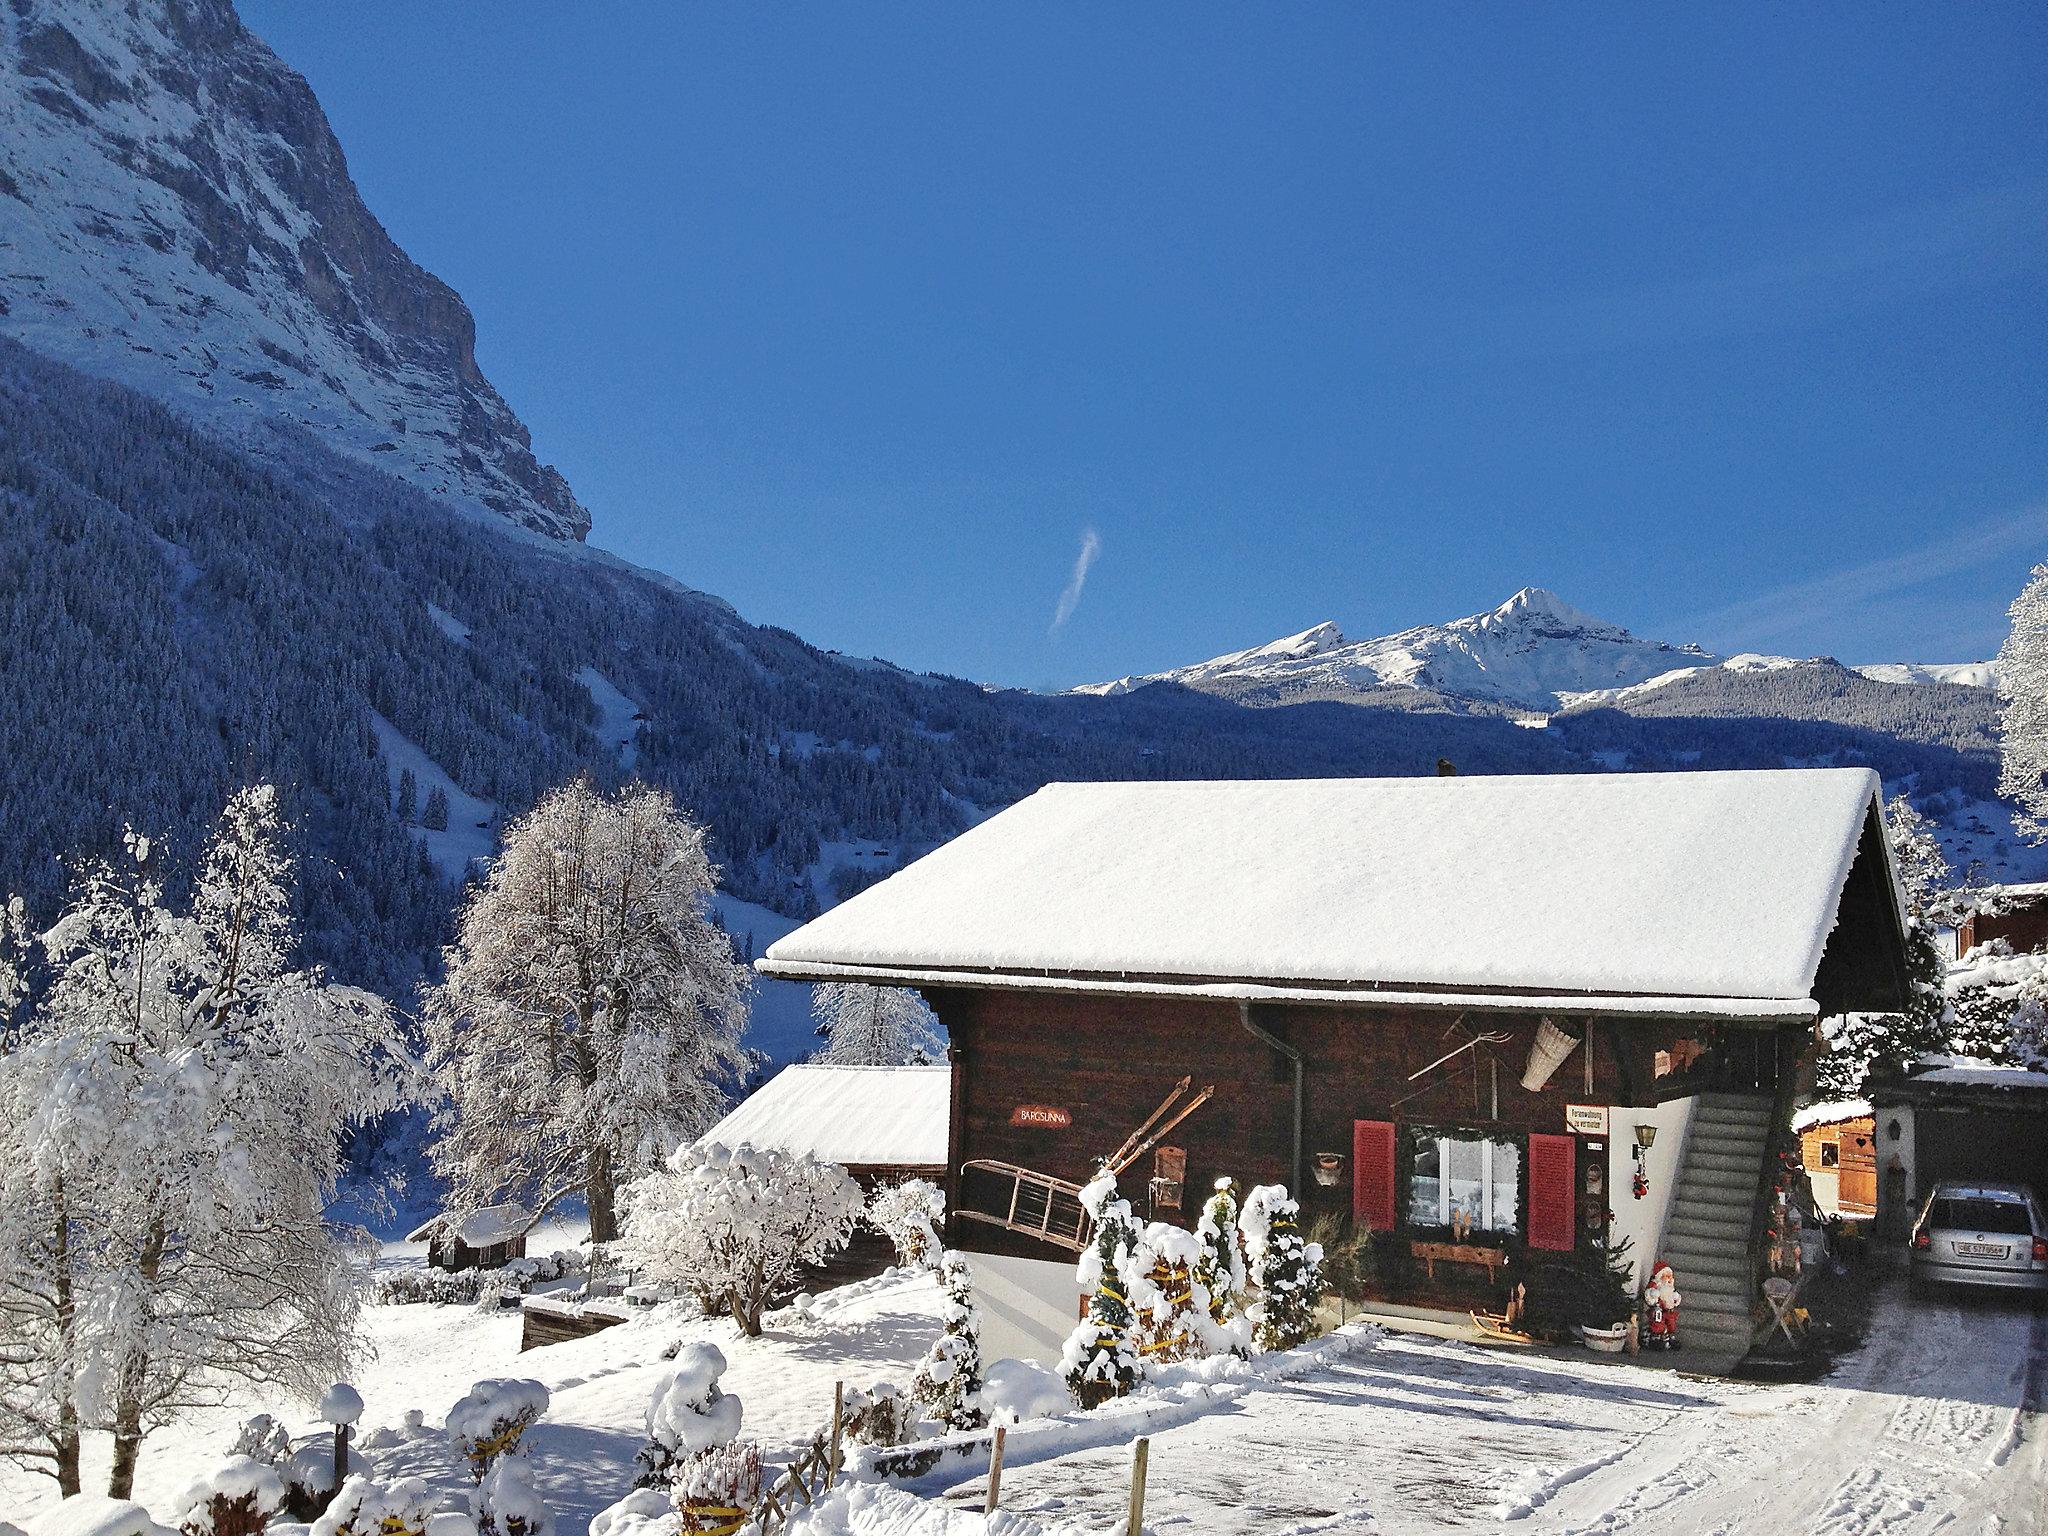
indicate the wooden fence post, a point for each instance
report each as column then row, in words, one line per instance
column 1139, row 1455
column 838, row 1410
column 995, row 1471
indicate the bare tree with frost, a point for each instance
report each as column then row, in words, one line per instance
column 173, row 1125
column 2023, row 718
column 592, row 1013
column 867, row 1026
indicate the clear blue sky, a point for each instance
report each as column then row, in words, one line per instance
column 1729, row 325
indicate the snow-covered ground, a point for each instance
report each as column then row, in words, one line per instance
column 1936, row 1426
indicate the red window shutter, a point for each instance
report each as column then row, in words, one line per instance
column 1550, row 1194
column 1372, row 1174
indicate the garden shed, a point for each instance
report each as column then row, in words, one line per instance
column 881, row 1124
column 1953, row 1118
column 488, row 1238
column 1484, row 1019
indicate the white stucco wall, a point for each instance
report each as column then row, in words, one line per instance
column 1028, row 1306
column 1642, row 1221
column 1892, row 1221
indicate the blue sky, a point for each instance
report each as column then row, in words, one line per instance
column 876, row 320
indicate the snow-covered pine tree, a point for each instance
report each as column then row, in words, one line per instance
column 1100, row 1361
column 1286, row 1269
column 2023, row 716
column 948, row 1380
column 592, row 1013
column 1856, row 1046
column 865, row 1026
column 435, row 817
column 182, row 1097
column 408, row 796
column 1219, row 1272
column 688, row 1413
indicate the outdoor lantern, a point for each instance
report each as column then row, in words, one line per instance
column 1646, row 1136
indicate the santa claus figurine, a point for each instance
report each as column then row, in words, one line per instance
column 1660, row 1308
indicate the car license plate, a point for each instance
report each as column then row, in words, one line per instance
column 1983, row 1250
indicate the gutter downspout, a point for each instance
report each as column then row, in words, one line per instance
column 1244, row 1017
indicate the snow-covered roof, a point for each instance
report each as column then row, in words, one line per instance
column 1969, row 1071
column 1680, row 892
column 853, row 1116
column 1831, row 1114
column 485, row 1228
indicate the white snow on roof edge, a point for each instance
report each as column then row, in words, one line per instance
column 854, row 1116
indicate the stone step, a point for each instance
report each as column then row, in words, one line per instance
column 1712, row 1265
column 1717, row 1293
column 1725, row 1228
column 1725, row 1138
column 1710, row 1199
column 1721, row 1159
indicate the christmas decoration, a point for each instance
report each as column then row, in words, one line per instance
column 1660, row 1308
column 1099, row 1361
column 948, row 1379
column 1288, row 1270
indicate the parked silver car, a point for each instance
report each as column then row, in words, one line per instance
column 1982, row 1234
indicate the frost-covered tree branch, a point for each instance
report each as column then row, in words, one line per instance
column 867, row 1026
column 2023, row 717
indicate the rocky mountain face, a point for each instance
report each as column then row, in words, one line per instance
column 176, row 214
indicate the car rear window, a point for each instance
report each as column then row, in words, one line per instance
column 1980, row 1216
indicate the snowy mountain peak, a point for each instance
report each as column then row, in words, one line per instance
column 176, row 214
column 1539, row 607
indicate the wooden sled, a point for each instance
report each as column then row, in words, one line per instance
column 1506, row 1327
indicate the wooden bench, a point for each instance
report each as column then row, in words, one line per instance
column 1457, row 1253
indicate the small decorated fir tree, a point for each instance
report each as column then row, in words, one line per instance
column 948, row 1379
column 1219, row 1273
column 1099, row 1361
column 1287, row 1269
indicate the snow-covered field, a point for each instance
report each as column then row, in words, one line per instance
column 1936, row 1426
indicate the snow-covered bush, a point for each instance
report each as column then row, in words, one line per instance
column 506, row 1502
column 236, row 1499
column 368, row 1508
column 1286, row 1269
column 488, row 1422
column 1219, row 1271
column 719, row 1486
column 1100, row 1361
column 688, row 1413
column 948, row 1379
column 737, row 1226
column 877, row 1415
column 908, row 1214
column 413, row 1286
column 1015, row 1390
column 263, row 1439
column 1160, row 1285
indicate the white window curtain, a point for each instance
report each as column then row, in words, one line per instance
column 1454, row 1174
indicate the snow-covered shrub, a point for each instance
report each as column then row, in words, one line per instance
column 719, row 1486
column 908, row 1214
column 410, row 1286
column 1100, row 1361
column 1160, row 1285
column 688, row 1413
column 1015, row 1390
column 643, row 1512
column 236, row 1499
column 948, row 1379
column 506, row 1502
column 263, row 1439
column 877, row 1415
column 489, row 1422
column 737, row 1226
column 1287, row 1269
column 368, row 1508
column 1220, row 1269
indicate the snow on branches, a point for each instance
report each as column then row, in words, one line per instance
column 948, row 1380
column 1287, row 1270
column 867, row 1026
column 170, row 1131
column 908, row 1214
column 490, row 1419
column 592, row 1014
column 1100, row 1360
column 2023, row 718
column 688, row 1414
column 737, row 1225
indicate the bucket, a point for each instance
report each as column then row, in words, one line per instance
column 1546, row 1055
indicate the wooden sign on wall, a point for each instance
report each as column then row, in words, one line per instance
column 1047, row 1116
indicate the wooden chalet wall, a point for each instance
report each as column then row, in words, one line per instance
column 1103, row 1062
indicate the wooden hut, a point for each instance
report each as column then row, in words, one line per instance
column 2016, row 913
column 1461, row 1012
column 881, row 1124
column 486, row 1239
column 1838, row 1150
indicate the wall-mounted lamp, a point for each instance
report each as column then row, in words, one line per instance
column 1639, row 1186
column 1646, row 1136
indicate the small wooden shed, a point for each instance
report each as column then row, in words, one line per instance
column 1838, row 1149
column 485, row 1239
column 881, row 1124
column 2016, row 913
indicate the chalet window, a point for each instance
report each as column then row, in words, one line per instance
column 1464, row 1175
column 1830, row 1154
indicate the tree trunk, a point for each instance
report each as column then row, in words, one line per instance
column 128, row 1429
column 65, row 1439
column 598, row 1194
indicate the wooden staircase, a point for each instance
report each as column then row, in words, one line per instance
column 1707, row 1238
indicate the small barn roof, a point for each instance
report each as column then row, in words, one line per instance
column 1652, row 892
column 485, row 1228
column 853, row 1116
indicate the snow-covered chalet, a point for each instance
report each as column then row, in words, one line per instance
column 1488, row 1016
